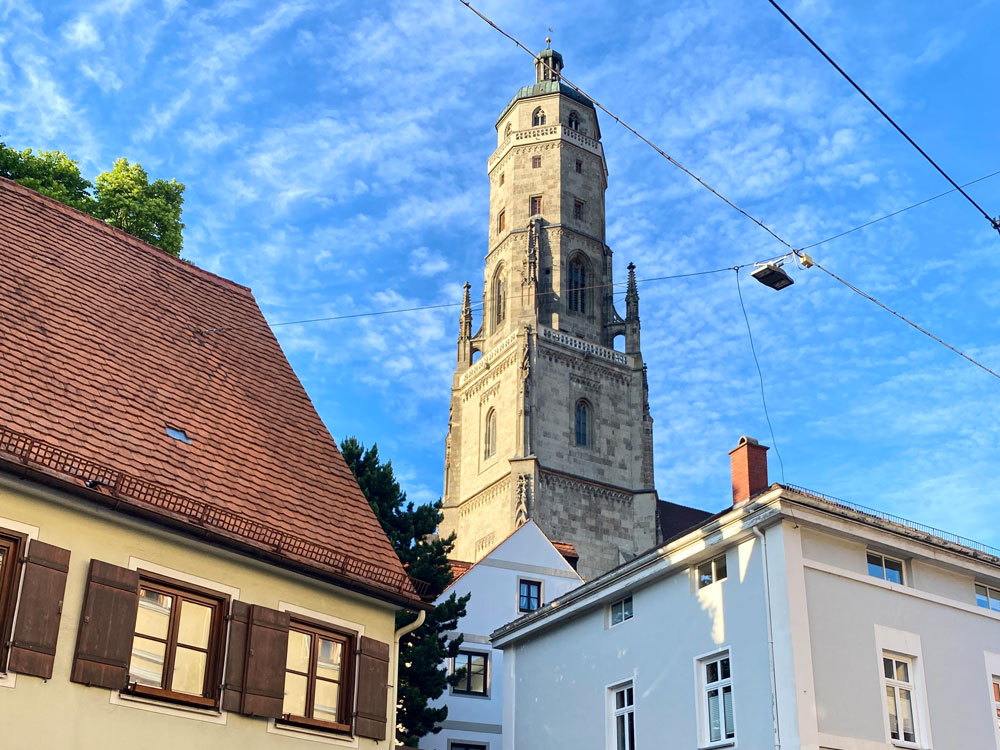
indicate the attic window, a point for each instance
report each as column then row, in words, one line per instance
column 178, row 435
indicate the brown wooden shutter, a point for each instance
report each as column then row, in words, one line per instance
column 255, row 666
column 107, row 625
column 33, row 647
column 236, row 657
column 373, row 686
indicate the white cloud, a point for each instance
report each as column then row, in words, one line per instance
column 81, row 34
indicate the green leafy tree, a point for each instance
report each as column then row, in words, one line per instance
column 422, row 674
column 51, row 173
column 150, row 211
column 123, row 197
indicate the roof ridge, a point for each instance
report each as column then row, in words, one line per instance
column 68, row 210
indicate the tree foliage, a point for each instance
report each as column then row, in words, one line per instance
column 422, row 654
column 126, row 199
column 123, row 197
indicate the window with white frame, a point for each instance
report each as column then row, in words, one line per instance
column 887, row 568
column 988, row 597
column 621, row 611
column 712, row 571
column 897, row 673
column 718, row 719
column 467, row 746
column 623, row 717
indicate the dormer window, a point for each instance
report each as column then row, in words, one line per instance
column 574, row 121
column 538, row 117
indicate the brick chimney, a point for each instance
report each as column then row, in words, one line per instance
column 748, row 461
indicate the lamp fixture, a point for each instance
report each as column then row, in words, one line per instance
column 772, row 275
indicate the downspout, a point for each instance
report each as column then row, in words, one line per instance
column 770, row 638
column 405, row 630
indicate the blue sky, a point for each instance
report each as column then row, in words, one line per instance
column 335, row 161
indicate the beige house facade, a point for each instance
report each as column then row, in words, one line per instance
column 548, row 420
column 185, row 558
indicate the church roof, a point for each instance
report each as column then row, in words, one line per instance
column 113, row 387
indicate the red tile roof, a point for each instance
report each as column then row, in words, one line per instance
column 458, row 569
column 103, row 349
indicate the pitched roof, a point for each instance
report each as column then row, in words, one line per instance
column 104, row 347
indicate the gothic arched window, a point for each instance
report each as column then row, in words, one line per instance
column 576, row 287
column 490, row 434
column 538, row 117
column 498, row 290
column 582, row 416
column 574, row 121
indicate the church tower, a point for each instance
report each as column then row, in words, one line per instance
column 550, row 421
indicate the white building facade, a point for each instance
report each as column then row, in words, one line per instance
column 520, row 575
column 788, row 621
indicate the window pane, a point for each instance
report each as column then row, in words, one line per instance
column 994, row 600
column 704, row 574
column 619, row 699
column 298, row 651
column 153, row 618
column 890, row 697
column 982, row 598
column 714, row 717
column 628, row 696
column 189, row 671
column 727, row 712
column 620, row 722
column 328, row 662
column 725, row 668
column 893, row 571
column 887, row 668
column 875, row 566
column 631, row 730
column 712, row 672
column 295, row 695
column 902, row 671
column 196, row 624
column 720, row 568
column 146, row 667
column 327, row 694
column 906, row 715
column 628, row 608
column 996, row 690
column 616, row 613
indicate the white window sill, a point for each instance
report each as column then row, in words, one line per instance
column 143, row 703
column 717, row 745
column 311, row 735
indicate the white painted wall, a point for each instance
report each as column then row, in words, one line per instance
column 830, row 621
column 493, row 583
column 562, row 677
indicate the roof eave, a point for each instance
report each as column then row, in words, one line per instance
column 48, row 478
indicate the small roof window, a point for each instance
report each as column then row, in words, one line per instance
column 177, row 434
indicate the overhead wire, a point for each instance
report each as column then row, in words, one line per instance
column 994, row 222
column 809, row 262
column 487, row 299
column 632, row 130
column 760, row 375
column 896, row 213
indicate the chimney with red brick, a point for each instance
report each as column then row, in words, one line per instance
column 748, row 461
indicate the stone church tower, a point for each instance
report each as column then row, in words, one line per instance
column 551, row 422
